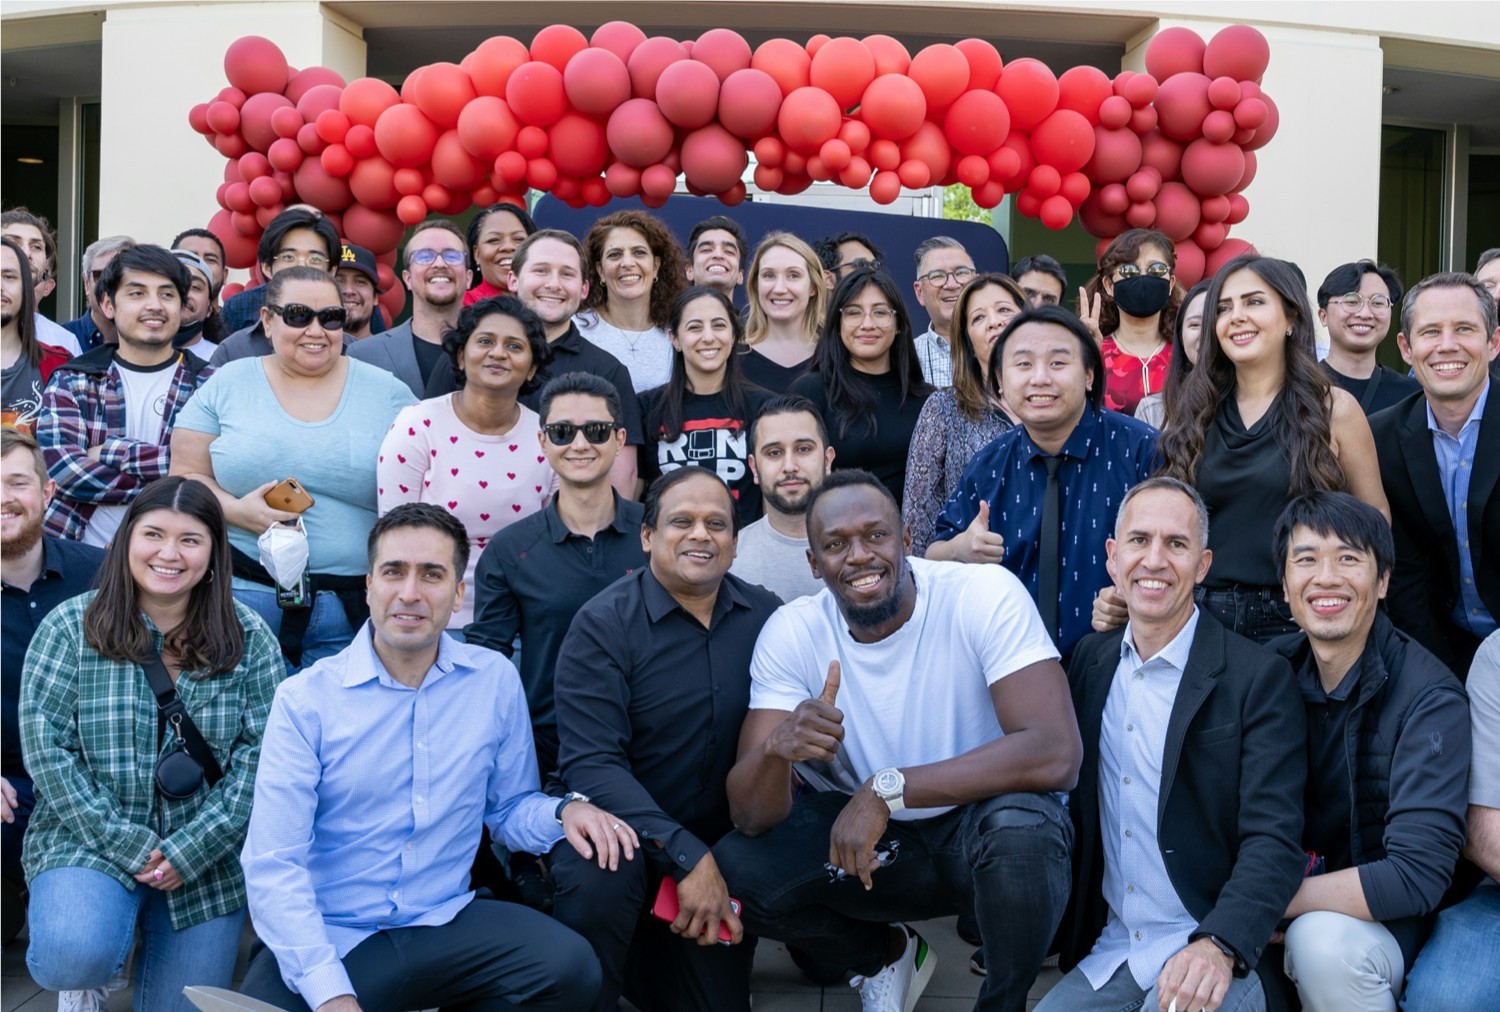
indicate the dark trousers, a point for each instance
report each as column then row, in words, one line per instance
column 492, row 957
column 640, row 958
column 12, row 910
column 1257, row 613
column 1005, row 860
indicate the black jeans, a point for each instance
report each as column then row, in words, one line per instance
column 639, row 957
column 492, row 957
column 12, row 911
column 1005, row 860
column 1257, row 613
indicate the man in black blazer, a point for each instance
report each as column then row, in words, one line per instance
column 1188, row 809
column 1440, row 461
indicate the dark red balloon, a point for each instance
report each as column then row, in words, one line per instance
column 687, row 92
column 1182, row 104
column 639, row 134
column 596, row 82
column 1177, row 211
column 1238, row 51
column 254, row 64
column 619, row 37
column 1174, row 51
column 650, row 58
column 724, row 50
column 749, row 100
column 1212, row 169
column 577, row 145
column 318, row 188
column 714, row 159
column 1117, row 153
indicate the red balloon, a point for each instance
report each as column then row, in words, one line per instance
column 442, row 92
column 404, row 136
column 1238, row 51
column 336, row 161
column 541, row 174
column 1174, row 51
column 1117, row 153
column 914, row 174
column 990, row 194
column 723, row 50
column 237, row 197
column 1064, row 140
column 232, row 95
column 1140, row 90
column 1143, row 185
column 885, row 187
column 1097, row 220
column 985, row 65
column 808, row 117
column 287, row 183
column 786, row 62
column 714, row 159
column 595, row 193
column 856, row 175
column 1190, row 263
column 332, row 126
column 491, row 63
column 639, row 134
column 1182, row 104
column 891, row 56
column 855, row 134
column 1215, row 209
column 408, row 181
column 1142, row 215
column 973, row 171
column 285, row 122
column 230, row 145
column 436, row 196
column 619, row 37
column 769, row 151
column 198, row 118
column 749, row 100
column 577, row 146
column 650, row 58
column 1056, row 212
column 1013, row 162
column 309, row 140
column 1248, row 176
column 835, row 154
column 1045, row 181
column 658, row 181
column 596, row 82
column 411, row 210
column 1224, row 92
column 1230, row 249
column 222, row 118
column 1084, row 90
column 360, row 140
column 1266, row 130
column 1177, row 211
column 1239, row 209
column 623, row 180
column 768, row 178
column 844, row 68
column 1212, row 169
column 239, row 251
column 487, row 127
column 978, row 122
column 929, row 146
column 885, row 154
column 557, row 44
column 893, row 106
column 687, row 92
column 511, row 167
column 816, row 43
column 1210, row 235
column 942, row 72
column 373, row 184
column 1162, row 154
column 1114, row 112
column 304, row 81
column 535, row 93
column 454, row 167
column 285, row 155
column 253, row 165
column 245, row 224
column 318, row 188
column 1028, row 203
column 253, row 64
column 1250, row 113
column 1112, row 199
column 1030, row 90
column 531, row 141
column 365, row 99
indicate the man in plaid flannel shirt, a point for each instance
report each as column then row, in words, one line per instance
column 106, row 417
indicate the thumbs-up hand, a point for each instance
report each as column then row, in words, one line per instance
column 978, row 543
column 814, row 729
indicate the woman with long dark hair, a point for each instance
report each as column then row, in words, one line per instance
column 27, row 362
column 494, row 235
column 636, row 271
column 701, row 415
column 1155, row 409
column 865, row 378
column 1258, row 424
column 1131, row 306
column 140, row 816
column 959, row 421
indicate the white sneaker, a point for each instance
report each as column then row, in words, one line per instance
column 897, row 987
column 82, row 1001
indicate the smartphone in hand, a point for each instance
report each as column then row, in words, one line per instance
column 665, row 908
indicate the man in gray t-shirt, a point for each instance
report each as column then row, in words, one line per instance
column 789, row 456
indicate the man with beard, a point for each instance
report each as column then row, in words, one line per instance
column 107, row 416
column 37, row 574
column 359, row 287
column 944, row 755
column 437, row 273
column 790, row 457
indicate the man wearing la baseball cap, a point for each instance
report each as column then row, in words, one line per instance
column 359, row 285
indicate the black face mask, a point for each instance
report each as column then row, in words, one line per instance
column 1142, row 296
column 188, row 333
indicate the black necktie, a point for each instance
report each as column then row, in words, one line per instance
column 1050, row 564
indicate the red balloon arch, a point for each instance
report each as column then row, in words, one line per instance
column 620, row 115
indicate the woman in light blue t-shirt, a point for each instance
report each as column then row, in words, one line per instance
column 307, row 412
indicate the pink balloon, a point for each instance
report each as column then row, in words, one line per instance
column 487, row 127
column 1219, row 127
column 1212, row 169
column 285, row 155
column 1162, row 154
column 285, row 122
column 1143, row 186
column 1097, row 221
column 714, row 159
column 304, row 81
column 1224, row 92
column 623, row 180
column 1117, row 153
column 596, row 82
column 255, row 119
column 620, row 38
column 639, row 134
column 648, row 60
column 254, row 64
column 222, row 117
column 1238, row 51
column 891, row 56
column 1113, row 199
column 1174, row 51
column 1177, row 211
column 724, row 50
column 749, row 100
column 1182, row 104
column 687, row 93
column 1114, row 112
column 318, row 188
column 1266, row 130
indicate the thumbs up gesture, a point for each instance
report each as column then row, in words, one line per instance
column 978, row 543
column 814, row 729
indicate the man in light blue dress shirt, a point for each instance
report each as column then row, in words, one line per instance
column 380, row 765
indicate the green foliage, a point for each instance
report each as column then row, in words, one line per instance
column 958, row 205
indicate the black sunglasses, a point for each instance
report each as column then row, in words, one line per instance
column 563, row 433
column 295, row 314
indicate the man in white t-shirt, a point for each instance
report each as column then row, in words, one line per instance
column 106, row 417
column 909, row 731
column 790, row 457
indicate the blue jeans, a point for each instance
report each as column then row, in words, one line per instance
column 328, row 630
column 1004, row 859
column 1456, row 970
column 1121, row 993
column 83, row 924
column 1257, row 613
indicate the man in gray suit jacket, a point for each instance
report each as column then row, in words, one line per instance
column 437, row 274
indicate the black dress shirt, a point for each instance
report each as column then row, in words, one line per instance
column 68, row 569
column 649, row 708
column 531, row 579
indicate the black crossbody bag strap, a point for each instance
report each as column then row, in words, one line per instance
column 171, row 706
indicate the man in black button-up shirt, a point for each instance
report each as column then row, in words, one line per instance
column 39, row 573
column 652, row 685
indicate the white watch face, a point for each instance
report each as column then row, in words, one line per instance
column 889, row 782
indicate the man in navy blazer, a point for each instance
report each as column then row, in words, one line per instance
column 1188, row 808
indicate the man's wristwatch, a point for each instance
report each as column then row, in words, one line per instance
column 566, row 798
column 889, row 786
column 1234, row 957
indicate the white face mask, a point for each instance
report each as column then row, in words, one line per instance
column 283, row 551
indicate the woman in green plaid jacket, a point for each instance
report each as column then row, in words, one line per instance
column 106, row 852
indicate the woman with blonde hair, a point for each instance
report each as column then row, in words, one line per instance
column 787, row 303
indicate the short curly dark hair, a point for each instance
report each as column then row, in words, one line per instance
column 456, row 338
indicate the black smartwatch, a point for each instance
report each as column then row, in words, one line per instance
column 1234, row 957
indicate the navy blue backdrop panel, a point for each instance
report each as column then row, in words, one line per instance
column 896, row 235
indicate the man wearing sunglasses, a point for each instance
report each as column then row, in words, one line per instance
column 943, row 268
column 1354, row 304
column 437, row 275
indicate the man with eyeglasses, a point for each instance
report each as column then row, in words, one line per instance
column 943, row 268
column 437, row 274
column 841, row 252
column 1354, row 304
column 300, row 236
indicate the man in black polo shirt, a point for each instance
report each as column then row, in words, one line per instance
column 36, row 575
column 652, row 685
column 547, row 275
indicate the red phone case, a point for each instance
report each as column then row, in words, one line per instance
column 665, row 908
